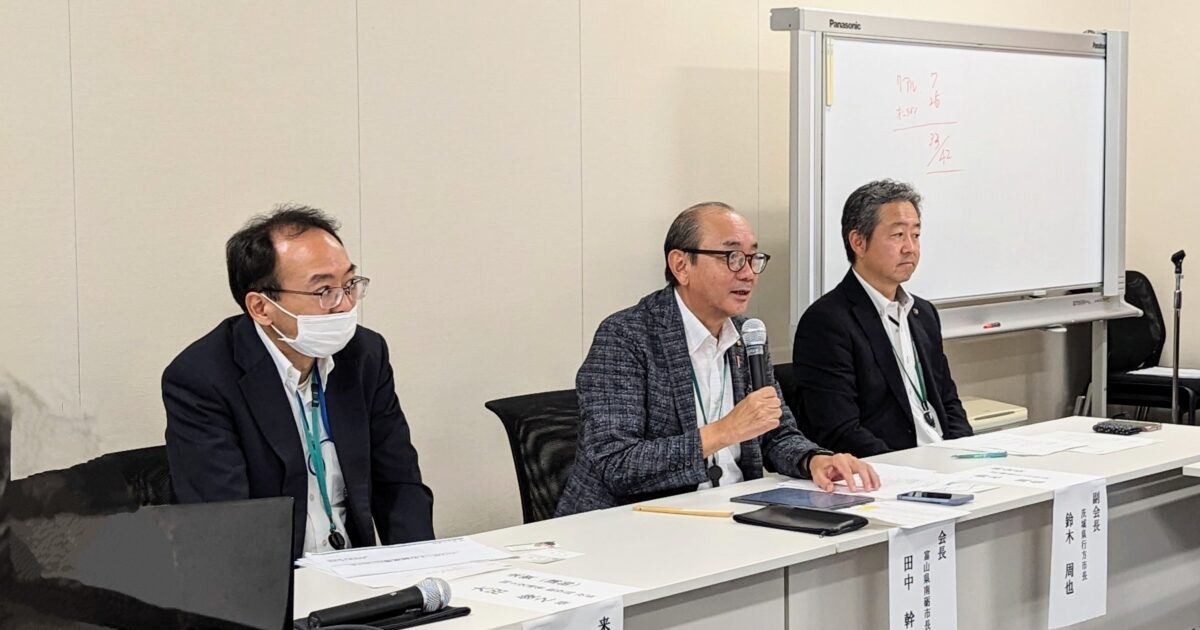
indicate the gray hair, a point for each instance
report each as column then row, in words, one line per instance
column 685, row 232
column 861, row 212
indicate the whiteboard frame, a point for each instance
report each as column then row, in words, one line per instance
column 812, row 30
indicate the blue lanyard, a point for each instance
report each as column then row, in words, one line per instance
column 312, row 438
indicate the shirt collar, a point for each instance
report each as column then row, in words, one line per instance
column 288, row 373
column 697, row 334
column 880, row 300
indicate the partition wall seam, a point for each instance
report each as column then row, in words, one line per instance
column 74, row 208
column 758, row 124
column 582, row 215
column 362, row 254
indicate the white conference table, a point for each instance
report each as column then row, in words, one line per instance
column 1192, row 470
column 700, row 572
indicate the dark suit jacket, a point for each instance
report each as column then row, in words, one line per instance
column 853, row 394
column 638, row 437
column 231, row 434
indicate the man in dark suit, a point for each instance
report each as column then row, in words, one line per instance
column 872, row 376
column 256, row 408
column 665, row 390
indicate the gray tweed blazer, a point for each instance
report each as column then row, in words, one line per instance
column 638, row 437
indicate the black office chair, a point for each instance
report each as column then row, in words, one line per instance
column 785, row 376
column 6, row 568
column 1137, row 342
column 112, row 483
column 542, row 432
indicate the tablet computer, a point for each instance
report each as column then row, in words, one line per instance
column 796, row 497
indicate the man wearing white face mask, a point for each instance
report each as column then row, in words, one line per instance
column 256, row 407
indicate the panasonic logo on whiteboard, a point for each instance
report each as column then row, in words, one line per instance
column 854, row 26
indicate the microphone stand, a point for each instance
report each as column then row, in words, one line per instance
column 1177, row 258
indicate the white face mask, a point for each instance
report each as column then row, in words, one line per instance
column 320, row 336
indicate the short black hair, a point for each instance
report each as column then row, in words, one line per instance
column 684, row 232
column 861, row 212
column 250, row 253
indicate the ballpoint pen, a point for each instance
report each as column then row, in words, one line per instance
column 988, row 455
column 682, row 512
column 533, row 546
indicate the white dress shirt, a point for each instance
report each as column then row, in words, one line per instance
column 711, row 367
column 316, row 534
column 894, row 315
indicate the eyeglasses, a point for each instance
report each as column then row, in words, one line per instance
column 736, row 259
column 331, row 297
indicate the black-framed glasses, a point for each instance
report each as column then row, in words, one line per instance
column 331, row 297
column 736, row 259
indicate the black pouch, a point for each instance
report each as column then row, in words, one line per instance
column 807, row 520
column 410, row 619
column 418, row 618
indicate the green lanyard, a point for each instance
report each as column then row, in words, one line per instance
column 720, row 395
column 919, row 386
column 714, row 471
column 312, row 437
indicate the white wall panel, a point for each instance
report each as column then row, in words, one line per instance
column 471, row 226
column 190, row 118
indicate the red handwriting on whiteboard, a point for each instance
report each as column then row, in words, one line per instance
column 928, row 124
column 943, row 158
column 918, row 103
column 941, row 153
column 905, row 84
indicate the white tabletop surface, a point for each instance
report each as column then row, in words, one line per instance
column 664, row 554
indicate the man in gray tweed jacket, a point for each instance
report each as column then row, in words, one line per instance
column 664, row 391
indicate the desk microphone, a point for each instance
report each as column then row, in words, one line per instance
column 1176, row 258
column 754, row 334
column 429, row 595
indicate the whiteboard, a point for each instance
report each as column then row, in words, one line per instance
column 1006, row 148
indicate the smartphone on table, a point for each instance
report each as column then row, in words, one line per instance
column 941, row 498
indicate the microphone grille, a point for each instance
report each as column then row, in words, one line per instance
column 436, row 593
column 754, row 332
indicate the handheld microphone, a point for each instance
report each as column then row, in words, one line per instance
column 429, row 595
column 754, row 334
column 1177, row 258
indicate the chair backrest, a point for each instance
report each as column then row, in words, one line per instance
column 786, row 378
column 542, row 432
column 1137, row 342
column 5, row 472
column 112, row 483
